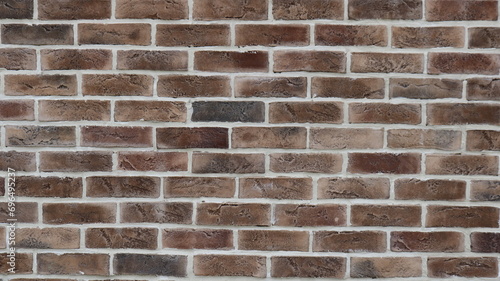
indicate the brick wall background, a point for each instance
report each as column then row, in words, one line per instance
column 195, row 139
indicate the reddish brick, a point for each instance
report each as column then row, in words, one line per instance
column 352, row 188
column 137, row 187
column 464, row 63
column 197, row 238
column 230, row 9
column 351, row 35
column 25, row 212
column 427, row 139
column 387, row 62
column 462, row 113
column 416, row 88
column 152, row 60
column 114, row 34
column 414, row 189
column 19, row 161
column 306, row 163
column 18, row 59
column 386, row 267
column 485, row 242
column 121, row 238
column 193, row 35
column 192, row 137
column 461, row 10
column 40, row 136
column 71, row 264
column 438, row 164
column 74, row 110
column 482, row 190
column 153, row 161
column 484, row 37
column 154, row 110
column 462, row 267
column 311, row 61
column 349, row 241
column 17, row 110
column 100, row 136
column 233, row 214
column 16, row 9
column 270, row 137
column 271, row 87
column 199, row 187
column 385, row 9
column 428, row 37
column 31, row 186
column 77, row 161
column 74, row 9
column 317, row 267
column 230, row 265
column 24, row 263
column 152, row 9
column 385, row 113
column 273, row 240
column 348, row 88
column 483, row 89
column 141, row 264
column 161, row 212
column 79, row 213
column 405, row 241
column 48, row 238
column 401, row 163
column 478, row 140
column 83, row 59
column 386, row 215
column 228, row 163
column 193, row 86
column 342, row 138
column 276, row 188
column 308, row 9
column 117, row 85
column 40, row 34
column 272, row 35
column 230, row 61
column 457, row 216
column 310, row 215
column 40, row 85
column 306, row 112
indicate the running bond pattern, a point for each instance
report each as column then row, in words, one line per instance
column 205, row 139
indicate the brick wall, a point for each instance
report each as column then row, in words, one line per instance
column 195, row 139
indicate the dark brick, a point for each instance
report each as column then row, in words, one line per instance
column 232, row 163
column 16, row 9
column 308, row 9
column 311, row 61
column 193, row 86
column 385, row 9
column 192, row 137
column 30, row 186
column 140, row 264
column 234, row 111
column 402, row 163
column 230, row 61
column 197, row 238
column 41, row 34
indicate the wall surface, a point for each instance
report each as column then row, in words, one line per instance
column 245, row 139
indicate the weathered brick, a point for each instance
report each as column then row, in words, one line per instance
column 230, row 9
column 391, row 163
column 427, row 88
column 199, row 187
column 25, row 212
column 353, row 188
column 439, row 164
column 74, row 9
column 110, row 186
column 155, row 111
column 387, row 62
column 478, row 140
column 276, row 188
column 414, row 189
column 386, row 267
column 385, row 9
column 19, row 161
column 310, row 215
column 462, row 113
column 306, row 112
column 40, row 85
column 482, row 190
column 101, row 136
column 231, row 163
column 464, row 63
column 16, row 9
column 273, row 240
column 271, row 87
column 348, row 88
column 230, row 61
column 153, row 161
column 228, row 111
column 117, row 85
column 386, row 215
column 269, row 137
column 67, row 59
column 152, row 9
column 3, row 242
column 485, row 242
column 317, row 267
column 40, row 34
column 461, row 10
column 197, row 238
column 24, row 263
column 462, row 267
column 114, row 34
column 17, row 110
column 406, row 241
column 311, row 61
column 48, row 238
column 141, row 264
column 233, row 214
column 272, row 35
column 193, row 35
column 428, row 37
column 18, row 59
column 179, row 86
column 308, row 9
column 385, row 113
column 349, row 241
column 31, row 186
column 483, row 89
column 161, row 212
column 458, row 216
column 427, row 139
column 351, row 35
column 306, row 163
column 484, row 37
column 152, row 60
column 208, row 137
column 342, row 138
column 74, row 110
column 79, row 213
column 121, row 238
column 76, row 161
column 230, row 265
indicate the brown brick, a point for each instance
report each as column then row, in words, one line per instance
column 18, row 59
column 351, row 35
column 308, row 9
column 193, row 35
column 67, row 59
column 461, row 113
column 40, row 34
column 461, row 10
column 478, row 140
column 161, row 212
column 117, row 85
column 197, row 239
column 45, row 279
column 353, row 188
column 16, row 9
column 348, row 88
column 484, row 37
column 76, row 161
column 199, row 187
column 406, row 241
column 482, row 190
column 230, row 265
column 310, row 215
column 462, row 267
column 209, row 137
column 387, row 63
column 74, row 9
column 72, row 264
column 485, row 242
column 385, row 9
column 349, row 241
column 391, row 163
column 342, row 138
column 306, row 112
column 482, row 89
column 193, row 86
column 114, row 34
column 427, row 139
column 24, row 263
column 228, row 111
column 276, row 188
column 153, row 161
column 230, row 9
column 17, row 110
column 414, row 189
column 31, row 186
column 25, row 212
column 48, row 238
column 428, row 37
column 464, row 63
column 79, row 213
column 105, row 136
column 386, row 215
column 306, row 163
column 241, row 214
column 140, row 264
column 386, row 267
column 2, row 234
column 439, row 164
column 270, row 87
column 272, row 35
column 457, row 216
column 317, row 267
column 137, row 187
column 152, row 9
column 40, row 85
column 152, row 60
column 121, row 238
column 269, row 137
column 19, row 161
column 230, row 61
column 74, row 110
column 416, row 88
column 311, row 61
column 273, row 240
column 385, row 113
column 228, row 163
column 154, row 110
